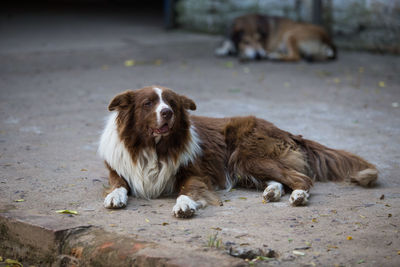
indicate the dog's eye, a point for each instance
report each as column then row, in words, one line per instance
column 148, row 104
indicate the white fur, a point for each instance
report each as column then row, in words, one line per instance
column 161, row 105
column 250, row 53
column 226, row 48
column 117, row 198
column 185, row 203
column 148, row 177
column 296, row 194
column 276, row 188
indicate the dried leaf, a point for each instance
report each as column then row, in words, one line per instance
column 314, row 220
column 227, row 200
column 67, row 211
column 382, row 197
column 158, row 62
column 362, row 216
column 83, row 170
column 298, row 253
column 264, row 201
column 336, row 80
column 113, row 225
column 229, row 64
column 20, row 200
column 349, row 238
column 389, row 215
column 387, row 205
column 361, row 69
column 382, row 84
column 243, row 198
column 216, row 228
column 332, row 246
column 147, row 220
column 13, row 263
column 129, row 63
column 164, row 224
column 1, row 258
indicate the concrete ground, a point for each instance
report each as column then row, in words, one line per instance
column 58, row 72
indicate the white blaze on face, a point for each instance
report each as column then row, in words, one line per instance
column 161, row 104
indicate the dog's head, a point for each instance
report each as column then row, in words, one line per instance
column 153, row 111
column 249, row 35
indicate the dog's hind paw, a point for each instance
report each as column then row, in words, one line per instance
column 273, row 192
column 298, row 197
column 185, row 207
column 116, row 199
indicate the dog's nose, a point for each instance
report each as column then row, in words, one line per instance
column 166, row 113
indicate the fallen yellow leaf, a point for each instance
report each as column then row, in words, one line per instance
column 13, row 263
column 243, row 198
column 349, row 238
column 164, row 223
column 20, row 200
column 83, row 170
column 158, row 62
column 67, row 211
column 382, row 84
column 264, row 202
column 147, row 220
column 129, row 63
column 314, row 220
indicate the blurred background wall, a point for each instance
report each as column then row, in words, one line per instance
column 372, row 25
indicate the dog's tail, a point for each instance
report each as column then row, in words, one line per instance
column 326, row 164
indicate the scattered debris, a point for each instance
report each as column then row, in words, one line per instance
column 67, row 212
column 252, row 253
column 298, row 253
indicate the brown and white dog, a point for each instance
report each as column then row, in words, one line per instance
column 262, row 37
column 153, row 147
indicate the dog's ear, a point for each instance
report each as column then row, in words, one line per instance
column 122, row 100
column 187, row 103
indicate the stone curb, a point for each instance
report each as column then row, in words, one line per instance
column 46, row 241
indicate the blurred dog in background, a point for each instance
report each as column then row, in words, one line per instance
column 258, row 36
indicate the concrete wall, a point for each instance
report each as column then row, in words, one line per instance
column 355, row 24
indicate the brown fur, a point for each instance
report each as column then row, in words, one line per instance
column 251, row 150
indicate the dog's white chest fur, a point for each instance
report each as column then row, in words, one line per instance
column 148, row 177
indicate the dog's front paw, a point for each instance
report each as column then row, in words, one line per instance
column 273, row 192
column 116, row 199
column 185, row 207
column 298, row 197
